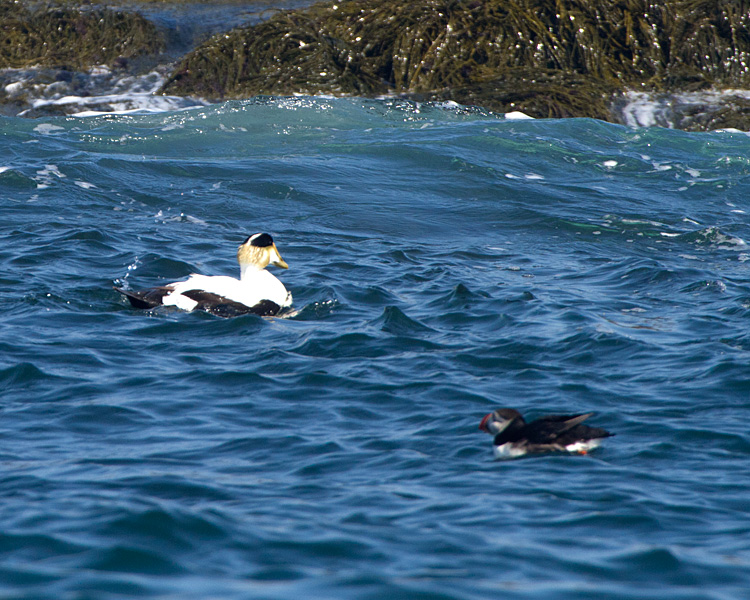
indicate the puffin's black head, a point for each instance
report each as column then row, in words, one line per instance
column 499, row 420
column 259, row 240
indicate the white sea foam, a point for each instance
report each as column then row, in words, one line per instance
column 51, row 170
column 126, row 103
column 14, row 89
column 517, row 115
column 643, row 109
column 181, row 218
column 48, row 128
column 97, row 92
column 46, row 176
column 450, row 104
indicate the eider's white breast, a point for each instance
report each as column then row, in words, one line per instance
column 254, row 288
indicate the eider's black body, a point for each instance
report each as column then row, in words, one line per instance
column 213, row 303
column 256, row 292
column 555, row 433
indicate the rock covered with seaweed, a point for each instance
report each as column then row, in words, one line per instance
column 680, row 63
column 547, row 58
column 50, row 51
column 69, row 37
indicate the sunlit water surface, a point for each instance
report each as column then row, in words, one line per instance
column 444, row 262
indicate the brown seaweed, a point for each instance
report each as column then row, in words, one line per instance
column 549, row 57
column 73, row 38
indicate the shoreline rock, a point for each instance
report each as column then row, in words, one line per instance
column 73, row 39
column 568, row 58
column 548, row 59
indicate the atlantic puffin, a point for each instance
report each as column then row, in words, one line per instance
column 515, row 437
column 256, row 291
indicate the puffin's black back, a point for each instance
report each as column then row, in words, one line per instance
column 554, row 429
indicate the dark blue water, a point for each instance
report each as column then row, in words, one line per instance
column 444, row 262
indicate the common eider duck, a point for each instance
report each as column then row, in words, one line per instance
column 256, row 291
column 515, row 437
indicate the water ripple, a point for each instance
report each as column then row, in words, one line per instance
column 444, row 262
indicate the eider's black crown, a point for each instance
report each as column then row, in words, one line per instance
column 259, row 240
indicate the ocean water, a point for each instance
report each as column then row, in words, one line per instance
column 444, row 262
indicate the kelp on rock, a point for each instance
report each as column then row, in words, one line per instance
column 547, row 58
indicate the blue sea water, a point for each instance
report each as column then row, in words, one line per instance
column 444, row 262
